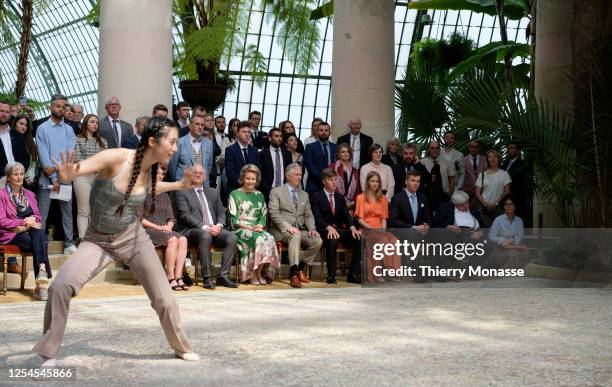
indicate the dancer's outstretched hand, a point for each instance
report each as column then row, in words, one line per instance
column 67, row 170
column 186, row 180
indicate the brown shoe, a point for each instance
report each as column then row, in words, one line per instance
column 302, row 277
column 295, row 282
column 14, row 268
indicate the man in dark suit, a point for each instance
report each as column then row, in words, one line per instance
column 335, row 225
column 238, row 155
column 201, row 218
column 318, row 156
column 133, row 141
column 113, row 128
column 12, row 143
column 360, row 143
column 409, row 208
column 409, row 162
column 273, row 162
column 521, row 186
column 259, row 138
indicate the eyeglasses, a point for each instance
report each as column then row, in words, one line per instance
column 508, row 204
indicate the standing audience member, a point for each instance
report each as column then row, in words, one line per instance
column 248, row 212
column 88, row 143
column 522, row 183
column 474, row 164
column 287, row 127
column 408, row 163
column 78, row 111
column 227, row 141
column 290, row 142
column 293, row 222
column 55, row 136
column 160, row 110
column 491, row 185
column 442, row 176
column 335, row 225
column 201, row 218
column 199, row 111
column 392, row 157
column 133, row 141
column 455, row 159
column 73, row 124
column 387, row 181
column 348, row 176
column 259, row 138
column 239, row 154
column 273, row 161
column 20, row 224
column 112, row 128
column 209, row 133
column 318, row 156
column 22, row 124
column 314, row 132
column 360, row 143
column 192, row 149
column 182, row 117
column 371, row 213
column 13, row 146
column 159, row 225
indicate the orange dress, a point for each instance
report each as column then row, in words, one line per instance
column 373, row 214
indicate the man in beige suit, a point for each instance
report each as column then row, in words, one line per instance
column 293, row 223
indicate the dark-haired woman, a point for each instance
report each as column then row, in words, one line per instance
column 88, row 143
column 23, row 125
column 124, row 178
column 287, row 127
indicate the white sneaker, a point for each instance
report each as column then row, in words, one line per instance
column 42, row 278
column 40, row 294
column 70, row 250
column 188, row 356
column 188, row 262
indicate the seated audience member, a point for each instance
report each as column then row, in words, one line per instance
column 408, row 163
column 317, row 157
column 201, row 218
column 491, row 185
column 290, row 142
column 387, row 180
column 474, row 164
column 457, row 214
column 442, row 172
column 359, row 142
column 348, row 176
column 392, row 156
column 239, row 154
column 409, row 208
column 132, row 142
column 88, row 143
column 292, row 222
column 248, row 214
column 160, row 110
column 159, row 225
column 22, row 124
column 372, row 212
column 20, row 224
column 507, row 233
column 13, row 146
column 286, row 128
column 335, row 226
column 273, row 161
column 192, row 149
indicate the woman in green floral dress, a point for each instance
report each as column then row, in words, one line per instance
column 257, row 248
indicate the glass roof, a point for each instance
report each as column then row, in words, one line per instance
column 64, row 58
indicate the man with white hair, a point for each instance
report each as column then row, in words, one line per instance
column 113, row 128
column 78, row 111
column 457, row 214
column 360, row 143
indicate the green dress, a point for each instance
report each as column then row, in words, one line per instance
column 255, row 248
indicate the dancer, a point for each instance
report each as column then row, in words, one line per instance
column 124, row 177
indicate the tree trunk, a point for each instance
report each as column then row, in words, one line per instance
column 24, row 47
column 508, row 58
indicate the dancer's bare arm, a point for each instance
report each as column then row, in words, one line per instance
column 107, row 163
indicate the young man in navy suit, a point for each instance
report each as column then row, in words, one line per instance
column 238, row 155
column 335, row 225
column 318, row 156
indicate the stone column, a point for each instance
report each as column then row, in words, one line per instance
column 135, row 55
column 363, row 76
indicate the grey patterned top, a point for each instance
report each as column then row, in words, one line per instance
column 104, row 201
column 87, row 147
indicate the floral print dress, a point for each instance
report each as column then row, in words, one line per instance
column 255, row 248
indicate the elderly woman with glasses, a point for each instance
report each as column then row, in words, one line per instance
column 20, row 224
column 507, row 233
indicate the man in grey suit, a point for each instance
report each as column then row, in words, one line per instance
column 201, row 218
column 192, row 149
column 292, row 222
column 112, row 128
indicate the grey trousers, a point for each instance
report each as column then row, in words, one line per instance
column 132, row 247
column 44, row 202
column 296, row 241
column 204, row 240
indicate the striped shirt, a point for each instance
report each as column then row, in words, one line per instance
column 87, row 147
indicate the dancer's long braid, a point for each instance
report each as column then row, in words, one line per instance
column 157, row 128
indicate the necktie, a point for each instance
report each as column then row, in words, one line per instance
column 294, row 198
column 414, row 207
column 331, row 203
column 326, row 153
column 278, row 166
column 116, row 134
column 475, row 163
column 353, row 144
column 246, row 155
column 204, row 207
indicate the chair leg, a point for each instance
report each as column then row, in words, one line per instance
column 24, row 262
column 237, row 261
column 322, row 252
column 5, row 273
column 195, row 268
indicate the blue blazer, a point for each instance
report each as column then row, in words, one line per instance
column 234, row 161
column 315, row 164
column 182, row 158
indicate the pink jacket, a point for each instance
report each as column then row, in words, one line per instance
column 8, row 214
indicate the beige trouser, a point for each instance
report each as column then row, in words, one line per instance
column 82, row 190
column 296, row 241
column 134, row 248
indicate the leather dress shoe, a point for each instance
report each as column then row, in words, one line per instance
column 226, row 281
column 208, row 284
column 14, row 268
column 331, row 279
column 269, row 279
column 353, row 278
column 295, row 282
column 302, row 277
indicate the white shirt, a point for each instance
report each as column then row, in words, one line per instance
column 210, row 221
column 465, row 219
column 118, row 127
column 446, row 170
column 282, row 174
column 455, row 158
column 196, row 145
column 182, row 123
column 356, row 149
column 5, row 136
column 493, row 185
